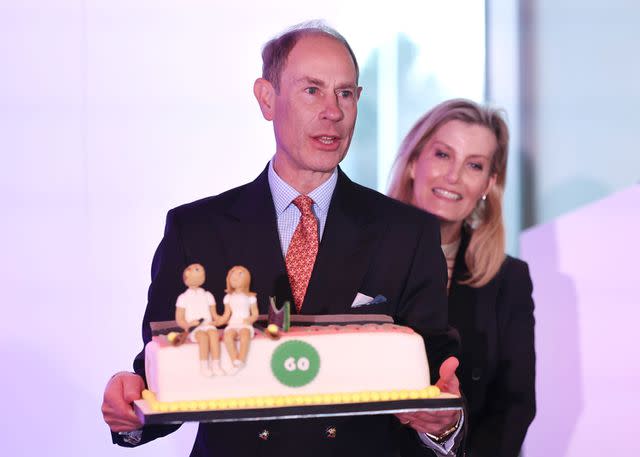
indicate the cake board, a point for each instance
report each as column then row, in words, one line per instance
column 149, row 417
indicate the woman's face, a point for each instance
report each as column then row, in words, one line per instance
column 452, row 171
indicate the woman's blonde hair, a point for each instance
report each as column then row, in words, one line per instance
column 485, row 252
column 244, row 287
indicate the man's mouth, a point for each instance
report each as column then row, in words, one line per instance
column 326, row 139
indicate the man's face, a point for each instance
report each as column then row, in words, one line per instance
column 314, row 113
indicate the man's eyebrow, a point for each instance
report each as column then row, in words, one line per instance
column 352, row 86
column 311, row 81
column 318, row 82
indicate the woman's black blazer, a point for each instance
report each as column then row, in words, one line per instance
column 497, row 367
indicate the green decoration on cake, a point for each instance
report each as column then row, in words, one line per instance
column 287, row 316
column 295, row 363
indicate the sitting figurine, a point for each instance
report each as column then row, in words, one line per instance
column 243, row 307
column 196, row 314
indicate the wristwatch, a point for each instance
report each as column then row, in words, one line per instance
column 133, row 437
column 442, row 437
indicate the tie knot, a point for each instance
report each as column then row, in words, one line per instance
column 304, row 204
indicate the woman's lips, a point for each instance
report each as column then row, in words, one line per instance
column 447, row 194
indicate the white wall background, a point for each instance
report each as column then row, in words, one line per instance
column 111, row 113
column 581, row 122
column 584, row 270
column 585, row 95
column 503, row 90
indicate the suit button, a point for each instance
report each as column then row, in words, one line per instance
column 476, row 374
column 331, row 432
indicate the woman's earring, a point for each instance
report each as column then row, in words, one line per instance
column 484, row 197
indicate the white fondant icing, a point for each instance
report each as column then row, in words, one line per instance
column 349, row 362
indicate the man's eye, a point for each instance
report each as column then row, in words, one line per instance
column 311, row 90
column 345, row 93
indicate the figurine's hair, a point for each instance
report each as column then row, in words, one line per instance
column 276, row 51
column 244, row 287
column 486, row 250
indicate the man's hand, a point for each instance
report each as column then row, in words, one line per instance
column 436, row 422
column 122, row 389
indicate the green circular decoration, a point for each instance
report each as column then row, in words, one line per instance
column 295, row 363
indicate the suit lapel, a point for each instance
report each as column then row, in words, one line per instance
column 250, row 235
column 463, row 306
column 472, row 311
column 463, row 298
column 344, row 254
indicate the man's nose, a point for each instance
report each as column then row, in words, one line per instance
column 331, row 109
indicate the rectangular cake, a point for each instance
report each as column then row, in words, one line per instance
column 305, row 366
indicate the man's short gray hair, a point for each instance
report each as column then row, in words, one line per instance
column 276, row 51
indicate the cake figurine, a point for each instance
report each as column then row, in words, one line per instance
column 281, row 318
column 241, row 310
column 196, row 314
column 278, row 320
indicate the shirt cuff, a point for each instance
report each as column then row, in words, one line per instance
column 444, row 449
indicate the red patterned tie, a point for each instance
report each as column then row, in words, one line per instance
column 302, row 251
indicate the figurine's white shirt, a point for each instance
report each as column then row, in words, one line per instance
column 240, row 305
column 196, row 304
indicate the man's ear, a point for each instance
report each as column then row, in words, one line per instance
column 358, row 92
column 265, row 94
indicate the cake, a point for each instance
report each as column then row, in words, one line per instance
column 369, row 359
column 239, row 365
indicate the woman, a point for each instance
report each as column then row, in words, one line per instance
column 453, row 164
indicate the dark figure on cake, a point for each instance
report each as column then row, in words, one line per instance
column 241, row 310
column 196, row 314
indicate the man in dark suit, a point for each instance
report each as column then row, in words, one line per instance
column 368, row 244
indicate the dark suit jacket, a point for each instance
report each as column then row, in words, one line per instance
column 371, row 244
column 497, row 370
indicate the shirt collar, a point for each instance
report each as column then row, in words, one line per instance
column 283, row 194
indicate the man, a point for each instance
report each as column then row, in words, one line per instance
column 365, row 243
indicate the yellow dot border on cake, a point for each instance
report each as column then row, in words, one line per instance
column 275, row 401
